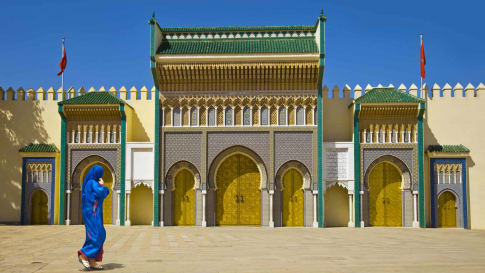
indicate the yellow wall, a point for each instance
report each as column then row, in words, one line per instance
column 461, row 120
column 38, row 121
column 336, row 117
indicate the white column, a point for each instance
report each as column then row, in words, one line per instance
column 287, row 116
column 84, row 134
column 415, row 214
column 198, row 116
column 223, row 115
column 315, row 221
column 96, row 134
column 118, row 208
column 172, row 119
column 72, row 136
column 68, row 219
column 271, row 219
column 402, row 137
column 204, row 222
column 161, row 207
column 128, row 222
column 361, row 209
column 409, row 136
column 251, row 115
column 304, row 115
column 277, row 115
column 351, row 210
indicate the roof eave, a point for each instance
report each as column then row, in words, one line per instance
column 176, row 58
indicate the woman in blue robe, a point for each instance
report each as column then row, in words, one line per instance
column 92, row 196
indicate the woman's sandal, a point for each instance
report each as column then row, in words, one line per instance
column 84, row 262
column 96, row 266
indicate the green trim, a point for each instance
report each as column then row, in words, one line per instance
column 242, row 28
column 239, row 46
column 356, row 166
column 422, row 223
column 460, row 148
column 156, row 175
column 123, row 167
column 62, row 169
column 321, row 207
column 39, row 148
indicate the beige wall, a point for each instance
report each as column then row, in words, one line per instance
column 38, row 121
column 21, row 122
column 336, row 116
column 460, row 120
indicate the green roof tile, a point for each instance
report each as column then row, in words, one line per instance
column 39, row 148
column 228, row 46
column 448, row 148
column 242, row 28
column 382, row 95
column 95, row 97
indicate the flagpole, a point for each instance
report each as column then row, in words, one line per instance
column 421, row 77
column 62, row 55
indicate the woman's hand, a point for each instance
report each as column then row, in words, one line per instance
column 101, row 182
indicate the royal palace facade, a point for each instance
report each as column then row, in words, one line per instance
column 239, row 129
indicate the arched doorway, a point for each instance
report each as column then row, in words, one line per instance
column 141, row 205
column 385, row 205
column 336, row 206
column 39, row 208
column 184, row 199
column 447, row 210
column 238, row 197
column 292, row 207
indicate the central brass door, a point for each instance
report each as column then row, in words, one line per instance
column 447, row 210
column 238, row 194
column 385, row 205
column 184, row 199
column 292, row 198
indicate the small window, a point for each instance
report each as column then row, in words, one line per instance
column 300, row 116
column 393, row 136
column 282, row 116
column 212, row 116
column 441, row 178
column 176, row 116
column 228, row 121
column 113, row 137
column 406, row 136
column 247, row 116
column 458, row 177
column 193, row 116
column 452, row 178
column 76, row 136
column 264, row 116
column 367, row 137
column 381, row 136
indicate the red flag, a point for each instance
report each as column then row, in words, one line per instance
column 423, row 59
column 63, row 62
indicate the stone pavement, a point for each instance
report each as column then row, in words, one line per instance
column 246, row 249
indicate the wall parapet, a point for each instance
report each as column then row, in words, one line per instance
column 51, row 94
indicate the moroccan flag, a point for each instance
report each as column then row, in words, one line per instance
column 63, row 62
column 423, row 59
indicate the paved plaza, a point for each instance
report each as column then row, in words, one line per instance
column 246, row 249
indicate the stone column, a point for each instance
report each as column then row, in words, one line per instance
column 361, row 209
column 415, row 210
column 128, row 222
column 351, row 211
column 271, row 218
column 161, row 206
column 204, row 193
column 118, row 208
column 68, row 219
column 315, row 220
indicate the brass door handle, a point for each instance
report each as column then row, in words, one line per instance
column 242, row 198
column 187, row 198
column 237, row 198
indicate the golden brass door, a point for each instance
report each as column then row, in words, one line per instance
column 385, row 207
column 108, row 201
column 447, row 210
column 238, row 195
column 292, row 198
column 184, row 199
column 39, row 208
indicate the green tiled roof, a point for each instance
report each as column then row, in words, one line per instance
column 448, row 148
column 39, row 148
column 380, row 95
column 248, row 28
column 263, row 45
column 95, row 97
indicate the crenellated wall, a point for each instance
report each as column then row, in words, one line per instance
column 31, row 116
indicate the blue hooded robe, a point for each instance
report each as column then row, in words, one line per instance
column 92, row 196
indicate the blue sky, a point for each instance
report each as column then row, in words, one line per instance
column 367, row 41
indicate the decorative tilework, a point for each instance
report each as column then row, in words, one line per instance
column 182, row 147
column 293, row 146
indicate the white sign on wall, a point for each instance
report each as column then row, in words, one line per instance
column 338, row 161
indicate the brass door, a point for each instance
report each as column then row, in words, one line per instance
column 447, row 210
column 385, row 207
column 39, row 208
column 292, row 198
column 184, row 199
column 108, row 201
column 238, row 195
